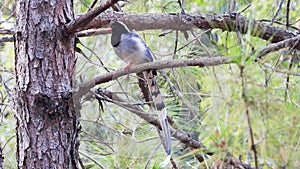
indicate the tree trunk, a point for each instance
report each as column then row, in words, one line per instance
column 47, row 124
column 1, row 158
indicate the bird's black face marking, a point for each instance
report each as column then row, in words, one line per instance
column 118, row 28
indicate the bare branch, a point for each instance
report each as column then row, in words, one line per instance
column 90, row 158
column 267, row 65
column 277, row 11
column 225, row 22
column 6, row 31
column 201, row 62
column 93, row 32
column 291, row 42
column 179, row 135
column 87, row 17
column 288, row 5
column 6, row 39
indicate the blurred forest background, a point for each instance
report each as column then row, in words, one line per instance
column 215, row 105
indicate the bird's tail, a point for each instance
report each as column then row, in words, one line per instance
column 162, row 112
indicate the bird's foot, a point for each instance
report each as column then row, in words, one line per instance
column 127, row 67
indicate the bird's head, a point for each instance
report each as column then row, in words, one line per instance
column 118, row 28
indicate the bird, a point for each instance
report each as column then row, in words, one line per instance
column 131, row 48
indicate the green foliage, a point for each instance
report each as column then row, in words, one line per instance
column 208, row 103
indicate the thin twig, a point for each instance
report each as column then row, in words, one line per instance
column 151, row 155
column 246, row 100
column 293, row 54
column 243, row 10
column 93, row 4
column 92, row 52
column 81, row 163
column 176, row 45
column 90, row 158
column 10, row 138
column 267, row 65
column 93, row 32
column 181, row 6
column 288, row 5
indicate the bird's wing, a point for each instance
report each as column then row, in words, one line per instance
column 162, row 112
column 132, row 49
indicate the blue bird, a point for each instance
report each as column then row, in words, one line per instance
column 130, row 47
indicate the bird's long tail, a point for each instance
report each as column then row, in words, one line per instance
column 162, row 112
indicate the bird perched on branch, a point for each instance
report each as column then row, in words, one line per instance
column 130, row 47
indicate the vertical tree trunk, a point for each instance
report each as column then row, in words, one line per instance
column 1, row 158
column 46, row 122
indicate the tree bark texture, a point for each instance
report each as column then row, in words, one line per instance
column 184, row 22
column 1, row 158
column 47, row 124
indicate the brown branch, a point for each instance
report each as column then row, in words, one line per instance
column 93, row 32
column 6, row 39
column 201, row 62
column 277, row 11
column 6, row 31
column 92, row 4
column 246, row 102
column 179, row 135
column 225, row 22
column 291, row 42
column 288, row 5
column 231, row 162
column 87, row 17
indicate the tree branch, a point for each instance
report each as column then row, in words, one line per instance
column 179, row 135
column 93, row 32
column 6, row 39
column 225, row 22
column 291, row 42
column 201, row 62
column 6, row 31
column 87, row 17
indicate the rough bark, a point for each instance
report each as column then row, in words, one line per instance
column 201, row 62
column 47, row 124
column 1, row 158
column 87, row 17
column 184, row 22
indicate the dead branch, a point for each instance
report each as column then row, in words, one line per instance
column 179, row 135
column 291, row 42
column 93, row 32
column 6, row 31
column 201, row 62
